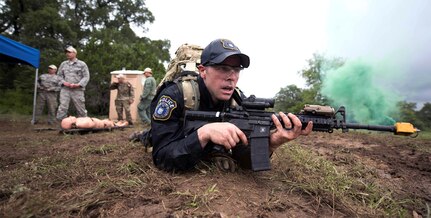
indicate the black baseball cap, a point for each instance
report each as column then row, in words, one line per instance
column 218, row 50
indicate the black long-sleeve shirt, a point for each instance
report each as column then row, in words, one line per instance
column 173, row 148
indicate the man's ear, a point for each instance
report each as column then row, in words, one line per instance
column 202, row 71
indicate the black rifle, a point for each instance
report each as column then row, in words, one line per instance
column 253, row 119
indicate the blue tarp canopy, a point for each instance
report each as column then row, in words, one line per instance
column 15, row 52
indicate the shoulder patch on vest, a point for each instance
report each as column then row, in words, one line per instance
column 164, row 108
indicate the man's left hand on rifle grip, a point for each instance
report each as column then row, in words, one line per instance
column 282, row 135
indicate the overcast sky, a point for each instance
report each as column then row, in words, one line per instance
column 279, row 36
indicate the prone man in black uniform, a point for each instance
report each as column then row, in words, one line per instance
column 176, row 149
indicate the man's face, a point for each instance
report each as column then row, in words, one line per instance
column 121, row 80
column 70, row 55
column 147, row 74
column 51, row 71
column 221, row 79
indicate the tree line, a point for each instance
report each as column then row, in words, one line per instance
column 292, row 98
column 101, row 32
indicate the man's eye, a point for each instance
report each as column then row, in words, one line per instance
column 226, row 69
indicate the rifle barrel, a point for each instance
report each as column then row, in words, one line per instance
column 371, row 127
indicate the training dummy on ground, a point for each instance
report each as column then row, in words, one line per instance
column 72, row 122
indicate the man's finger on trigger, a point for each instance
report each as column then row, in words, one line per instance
column 227, row 146
column 242, row 137
column 231, row 142
column 235, row 137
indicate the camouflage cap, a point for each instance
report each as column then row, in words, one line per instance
column 52, row 66
column 218, row 50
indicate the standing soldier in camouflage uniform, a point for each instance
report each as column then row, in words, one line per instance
column 48, row 88
column 125, row 95
column 75, row 76
column 147, row 96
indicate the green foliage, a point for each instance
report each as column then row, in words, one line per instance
column 98, row 29
column 16, row 85
column 424, row 115
column 49, row 35
column 314, row 73
column 408, row 114
column 109, row 50
column 292, row 99
column 16, row 101
column 287, row 99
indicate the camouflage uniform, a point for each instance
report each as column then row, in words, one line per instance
column 75, row 72
column 48, row 88
column 146, row 98
column 125, row 95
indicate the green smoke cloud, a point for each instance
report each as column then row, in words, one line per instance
column 355, row 85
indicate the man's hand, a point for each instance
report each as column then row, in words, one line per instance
column 67, row 84
column 283, row 135
column 74, row 86
column 225, row 134
column 71, row 85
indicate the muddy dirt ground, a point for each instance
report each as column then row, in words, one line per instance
column 102, row 174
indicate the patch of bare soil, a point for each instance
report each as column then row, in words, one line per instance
column 46, row 173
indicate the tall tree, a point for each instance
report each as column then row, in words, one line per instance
column 292, row 99
column 314, row 74
column 287, row 99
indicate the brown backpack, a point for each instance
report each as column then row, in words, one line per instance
column 183, row 71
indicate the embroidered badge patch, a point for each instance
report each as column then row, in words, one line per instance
column 227, row 44
column 164, row 108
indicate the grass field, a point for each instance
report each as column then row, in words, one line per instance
column 356, row 174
